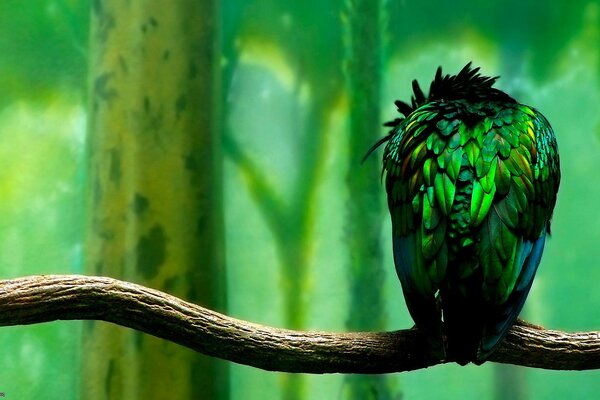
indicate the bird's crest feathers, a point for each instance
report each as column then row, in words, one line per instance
column 468, row 84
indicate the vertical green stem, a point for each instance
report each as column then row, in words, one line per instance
column 510, row 381
column 312, row 49
column 295, row 245
column 155, row 187
column 363, row 60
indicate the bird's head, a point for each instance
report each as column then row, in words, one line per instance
column 468, row 85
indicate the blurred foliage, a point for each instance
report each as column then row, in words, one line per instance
column 43, row 71
column 308, row 44
column 43, row 48
column 539, row 32
column 41, row 181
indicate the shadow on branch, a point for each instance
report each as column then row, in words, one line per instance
column 37, row 299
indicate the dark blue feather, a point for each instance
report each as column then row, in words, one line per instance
column 501, row 321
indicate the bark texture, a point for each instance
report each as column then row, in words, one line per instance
column 38, row 299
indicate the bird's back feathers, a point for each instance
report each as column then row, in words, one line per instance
column 471, row 178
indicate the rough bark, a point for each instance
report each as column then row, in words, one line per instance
column 38, row 299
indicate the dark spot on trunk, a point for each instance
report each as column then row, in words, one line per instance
column 123, row 64
column 115, row 171
column 109, row 374
column 191, row 163
column 140, row 204
column 180, row 104
column 151, row 252
column 138, row 339
column 193, row 70
column 102, row 88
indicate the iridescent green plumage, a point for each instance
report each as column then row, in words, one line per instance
column 471, row 178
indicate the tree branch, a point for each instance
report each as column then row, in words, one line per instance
column 38, row 299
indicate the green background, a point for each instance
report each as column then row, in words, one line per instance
column 299, row 250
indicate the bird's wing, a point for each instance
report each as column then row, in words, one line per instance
column 525, row 175
column 422, row 162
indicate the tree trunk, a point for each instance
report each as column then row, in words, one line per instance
column 363, row 48
column 510, row 381
column 155, row 187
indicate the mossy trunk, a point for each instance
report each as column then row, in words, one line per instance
column 155, row 214
column 510, row 381
column 363, row 61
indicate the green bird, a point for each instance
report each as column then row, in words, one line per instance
column 471, row 177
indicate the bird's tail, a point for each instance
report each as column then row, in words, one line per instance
column 463, row 330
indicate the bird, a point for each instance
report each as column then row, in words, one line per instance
column 471, row 177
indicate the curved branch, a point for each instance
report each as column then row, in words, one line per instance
column 37, row 299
